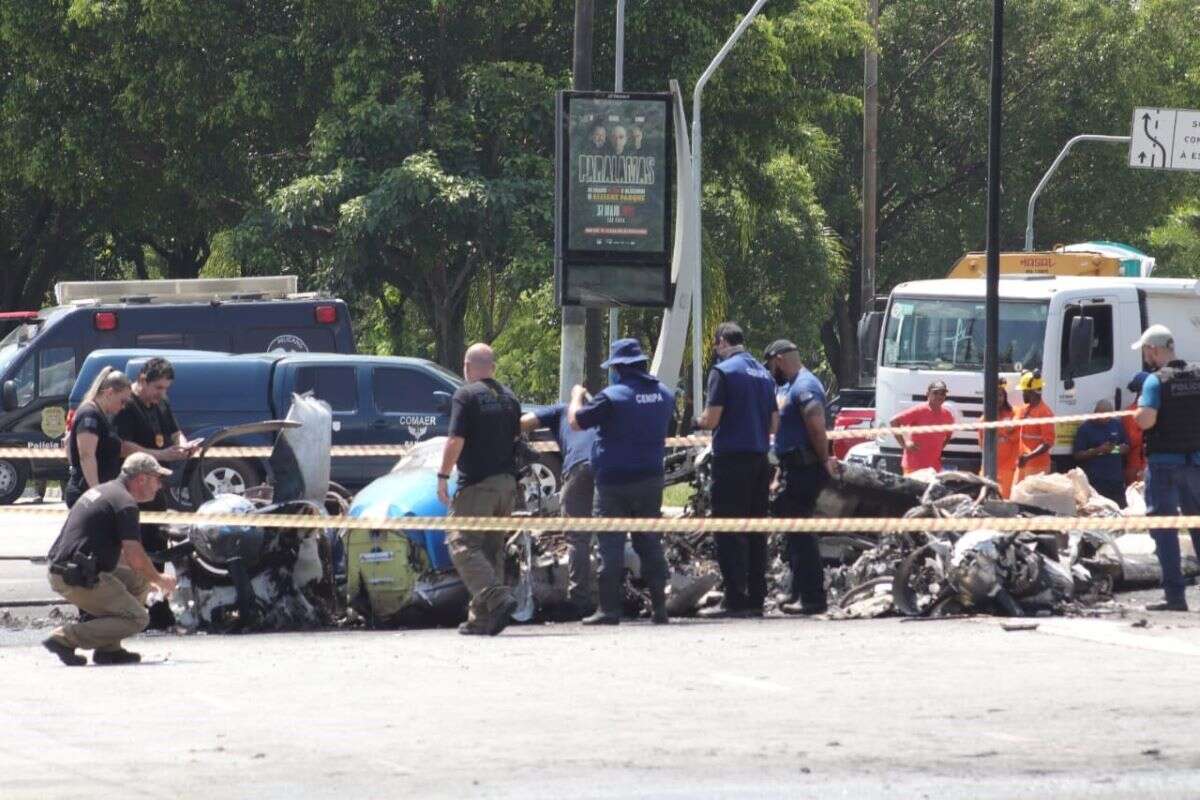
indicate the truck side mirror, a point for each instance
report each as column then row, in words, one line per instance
column 1079, row 348
column 9, row 392
column 870, row 325
column 441, row 402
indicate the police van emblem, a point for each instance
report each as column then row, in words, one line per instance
column 54, row 421
column 287, row 343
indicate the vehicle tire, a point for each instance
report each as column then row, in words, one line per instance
column 14, row 475
column 223, row 476
column 544, row 480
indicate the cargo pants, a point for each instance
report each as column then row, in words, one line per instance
column 116, row 605
column 479, row 556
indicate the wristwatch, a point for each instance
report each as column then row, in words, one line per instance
column 443, row 476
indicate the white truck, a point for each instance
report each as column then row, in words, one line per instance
column 1077, row 330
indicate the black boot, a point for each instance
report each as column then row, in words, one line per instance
column 658, row 602
column 65, row 652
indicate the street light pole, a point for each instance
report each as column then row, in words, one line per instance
column 991, row 361
column 614, row 314
column 572, row 368
column 1033, row 198
column 698, row 182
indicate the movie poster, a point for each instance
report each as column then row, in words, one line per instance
column 617, row 175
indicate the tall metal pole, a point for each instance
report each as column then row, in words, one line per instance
column 870, row 151
column 1033, row 198
column 697, row 298
column 614, row 314
column 572, row 357
column 991, row 361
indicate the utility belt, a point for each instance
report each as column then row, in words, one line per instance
column 79, row 572
column 800, row 458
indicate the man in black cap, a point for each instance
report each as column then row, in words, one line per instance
column 804, row 466
column 99, row 565
column 741, row 412
column 631, row 416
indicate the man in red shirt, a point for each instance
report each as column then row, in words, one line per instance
column 923, row 450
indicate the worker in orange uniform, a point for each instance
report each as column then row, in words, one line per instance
column 1008, row 442
column 922, row 450
column 1135, row 459
column 1036, row 440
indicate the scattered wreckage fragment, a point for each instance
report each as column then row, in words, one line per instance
column 244, row 578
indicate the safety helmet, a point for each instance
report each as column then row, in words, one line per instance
column 1031, row 381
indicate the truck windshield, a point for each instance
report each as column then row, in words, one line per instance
column 948, row 334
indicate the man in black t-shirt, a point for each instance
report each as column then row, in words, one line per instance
column 98, row 564
column 147, row 425
column 485, row 421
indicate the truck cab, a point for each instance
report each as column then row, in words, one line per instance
column 1076, row 330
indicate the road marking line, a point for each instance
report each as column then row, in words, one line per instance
column 759, row 684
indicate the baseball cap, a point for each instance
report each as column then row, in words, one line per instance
column 778, row 348
column 1154, row 336
column 143, row 464
column 938, row 386
column 625, row 351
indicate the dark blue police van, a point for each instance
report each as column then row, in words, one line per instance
column 40, row 357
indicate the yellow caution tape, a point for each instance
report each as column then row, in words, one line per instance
column 875, row 525
column 396, row 450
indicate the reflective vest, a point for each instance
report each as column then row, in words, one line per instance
column 748, row 405
column 631, row 443
column 1177, row 429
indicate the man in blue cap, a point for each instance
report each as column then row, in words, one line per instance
column 741, row 412
column 576, row 497
column 631, row 418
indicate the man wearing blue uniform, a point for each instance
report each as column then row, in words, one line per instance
column 1169, row 413
column 576, row 496
column 804, row 466
column 741, row 412
column 1100, row 448
column 631, row 418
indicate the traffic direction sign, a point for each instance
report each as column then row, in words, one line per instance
column 1165, row 138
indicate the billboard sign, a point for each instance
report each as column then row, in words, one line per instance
column 614, row 199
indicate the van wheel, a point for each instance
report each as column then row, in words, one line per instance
column 13, row 477
column 223, row 476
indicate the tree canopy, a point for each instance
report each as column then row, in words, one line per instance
column 400, row 152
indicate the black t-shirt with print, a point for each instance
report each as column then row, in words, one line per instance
column 90, row 419
column 488, row 417
column 101, row 519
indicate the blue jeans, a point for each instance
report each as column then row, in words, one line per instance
column 1172, row 489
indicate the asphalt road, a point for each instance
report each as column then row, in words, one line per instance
column 787, row 708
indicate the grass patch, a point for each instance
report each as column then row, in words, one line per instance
column 677, row 495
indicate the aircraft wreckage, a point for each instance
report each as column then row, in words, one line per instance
column 244, row 578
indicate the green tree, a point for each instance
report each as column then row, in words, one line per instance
column 1072, row 66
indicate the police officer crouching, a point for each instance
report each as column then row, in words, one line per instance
column 1169, row 413
column 631, row 417
column 99, row 565
column 741, row 412
column 804, row 466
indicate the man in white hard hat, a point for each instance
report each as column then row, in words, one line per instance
column 1169, row 413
